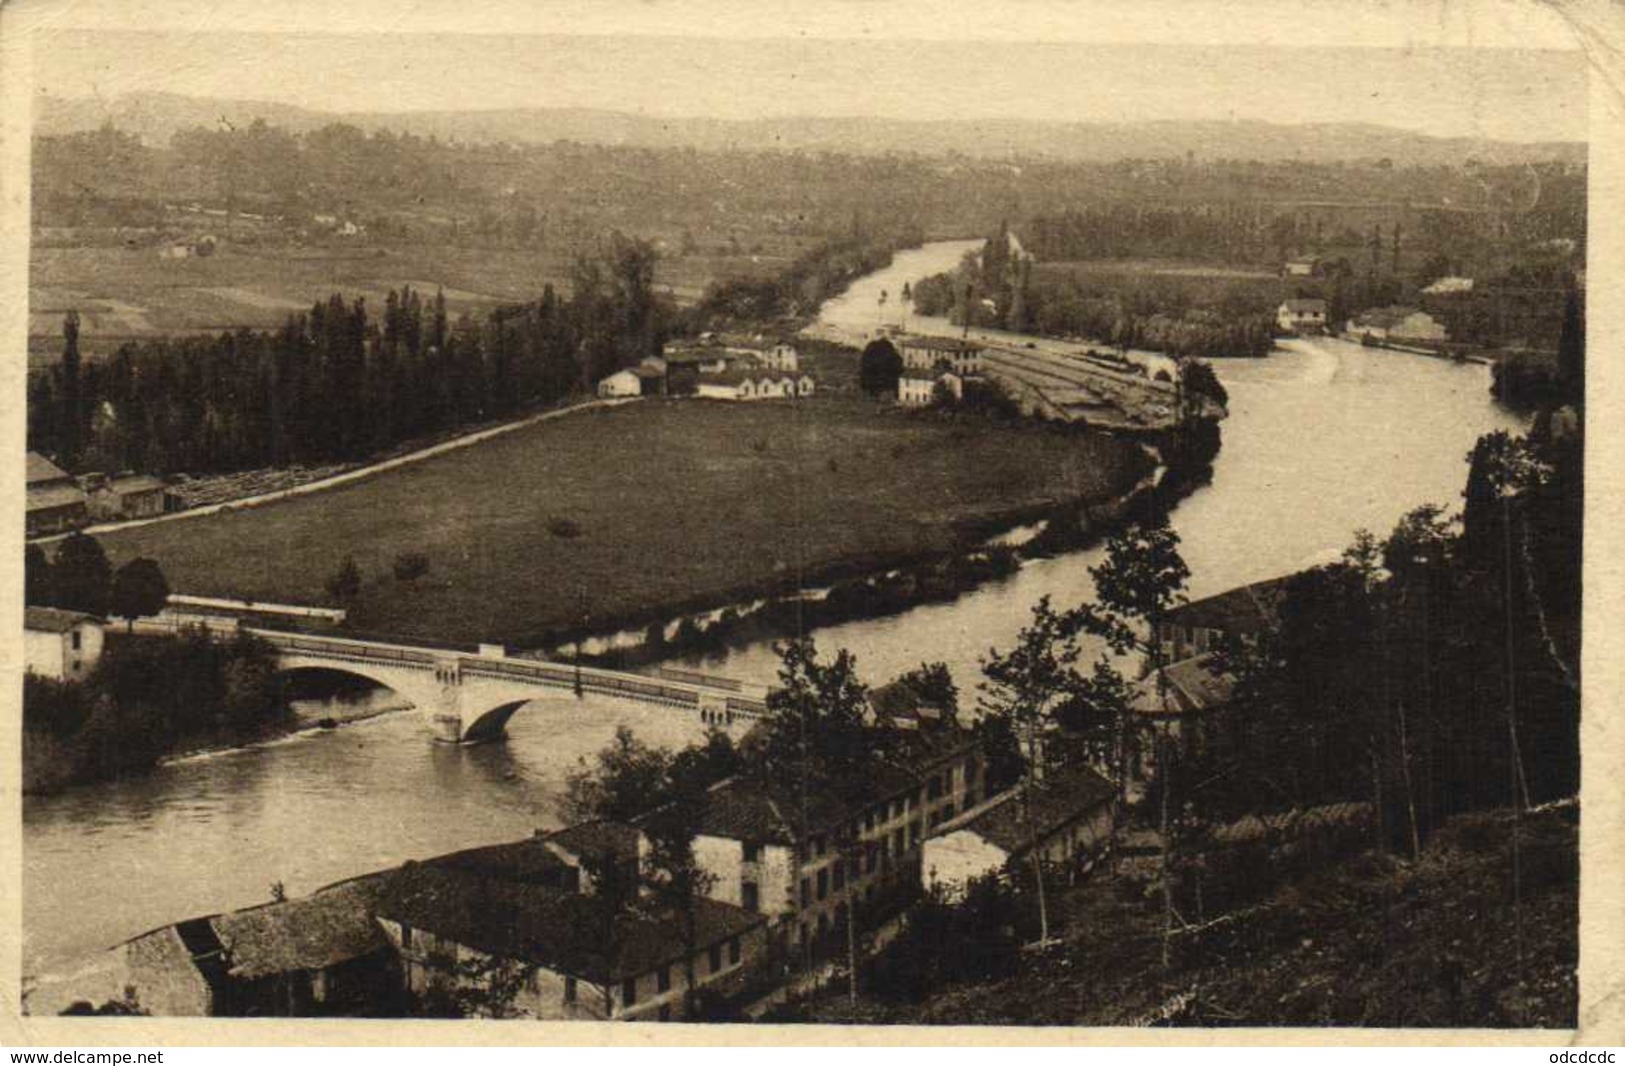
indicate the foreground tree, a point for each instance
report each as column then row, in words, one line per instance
column 39, row 590
column 82, row 575
column 1023, row 687
column 1141, row 580
column 140, row 590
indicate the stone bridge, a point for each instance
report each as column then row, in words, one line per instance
column 469, row 697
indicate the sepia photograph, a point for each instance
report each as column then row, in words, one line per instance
column 882, row 524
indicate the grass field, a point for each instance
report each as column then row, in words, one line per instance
column 1199, row 284
column 678, row 503
column 124, row 293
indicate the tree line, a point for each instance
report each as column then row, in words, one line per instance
column 997, row 287
column 339, row 383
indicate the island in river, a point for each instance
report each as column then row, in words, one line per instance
column 616, row 517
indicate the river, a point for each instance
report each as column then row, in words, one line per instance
column 1324, row 437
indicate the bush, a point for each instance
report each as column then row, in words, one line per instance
column 409, row 566
column 564, row 528
column 345, row 584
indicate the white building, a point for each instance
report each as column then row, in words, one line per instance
column 1067, row 817
column 620, row 383
column 918, row 388
column 926, row 353
column 1301, row 316
column 64, row 645
column 781, row 357
column 755, row 385
column 1397, row 324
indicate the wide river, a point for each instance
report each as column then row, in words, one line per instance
column 1324, row 438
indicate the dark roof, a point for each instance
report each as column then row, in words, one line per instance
column 135, row 483
column 738, row 810
column 1240, row 611
column 598, row 838
column 525, row 861
column 53, row 619
column 647, row 372
column 309, row 933
column 551, row 927
column 702, row 354
column 1021, row 816
column 939, row 344
column 1193, row 685
column 42, row 469
column 745, row 809
column 45, row 496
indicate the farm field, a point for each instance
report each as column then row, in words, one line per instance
column 131, row 293
column 673, row 503
column 1199, row 284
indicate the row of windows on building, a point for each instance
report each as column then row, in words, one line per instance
column 629, row 987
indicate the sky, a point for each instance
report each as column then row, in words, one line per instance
column 1501, row 93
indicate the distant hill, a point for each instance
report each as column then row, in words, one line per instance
column 155, row 116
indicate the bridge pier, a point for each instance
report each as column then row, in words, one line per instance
column 446, row 716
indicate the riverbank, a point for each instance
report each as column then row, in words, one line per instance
column 621, row 516
column 159, row 700
column 998, row 553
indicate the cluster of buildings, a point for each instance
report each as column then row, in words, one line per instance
column 58, row 502
column 785, row 874
column 930, row 362
column 1194, row 683
column 1309, row 317
column 716, row 366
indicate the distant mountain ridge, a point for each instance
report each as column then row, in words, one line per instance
column 156, row 116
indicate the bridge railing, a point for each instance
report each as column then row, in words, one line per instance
column 350, row 649
column 679, row 693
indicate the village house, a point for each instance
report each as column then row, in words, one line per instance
column 1396, row 324
column 62, row 645
column 55, row 503
column 1193, row 684
column 589, row 847
column 752, row 384
column 319, row 954
column 925, row 353
column 1245, row 614
column 127, row 496
column 799, row 860
column 640, row 380
column 781, row 356
column 1066, row 818
column 918, row 388
column 1300, row 268
column 1174, row 707
column 581, row 955
column 1302, row 316
column 703, row 357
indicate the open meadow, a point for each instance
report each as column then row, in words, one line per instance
column 617, row 516
column 125, row 293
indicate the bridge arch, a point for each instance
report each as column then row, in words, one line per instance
column 493, row 723
column 420, row 693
